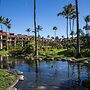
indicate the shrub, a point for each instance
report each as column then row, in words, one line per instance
column 70, row 53
column 85, row 52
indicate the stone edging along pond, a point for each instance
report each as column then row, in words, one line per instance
column 19, row 77
column 11, row 87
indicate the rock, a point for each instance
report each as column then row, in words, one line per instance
column 21, row 77
column 19, row 72
column 85, row 61
column 11, row 88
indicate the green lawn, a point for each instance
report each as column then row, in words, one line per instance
column 3, row 52
column 6, row 79
column 52, row 53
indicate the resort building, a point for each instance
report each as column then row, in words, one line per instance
column 6, row 39
column 9, row 39
column 19, row 38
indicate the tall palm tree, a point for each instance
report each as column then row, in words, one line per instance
column 7, row 23
column 87, row 19
column 48, row 36
column 72, row 33
column 55, row 28
column 67, row 12
column 87, row 27
column 72, row 17
column 78, row 33
column 39, row 28
column 1, row 21
column 36, row 50
column 35, row 28
column 28, row 30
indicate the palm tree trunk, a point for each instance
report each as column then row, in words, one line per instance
column 70, row 24
column 28, row 33
column 35, row 36
column 67, row 32
column 1, row 27
column 78, row 33
column 6, row 39
column 55, row 36
column 72, row 27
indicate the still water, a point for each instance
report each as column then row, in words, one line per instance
column 52, row 75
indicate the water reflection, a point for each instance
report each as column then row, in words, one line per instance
column 51, row 74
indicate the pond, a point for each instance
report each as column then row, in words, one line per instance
column 52, row 75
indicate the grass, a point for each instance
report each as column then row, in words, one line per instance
column 6, row 79
column 3, row 52
column 53, row 53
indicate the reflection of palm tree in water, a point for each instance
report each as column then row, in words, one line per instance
column 68, row 70
column 78, row 69
column 36, row 80
column 88, row 71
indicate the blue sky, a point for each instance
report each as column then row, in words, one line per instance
column 21, row 14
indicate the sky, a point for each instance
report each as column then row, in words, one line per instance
column 21, row 13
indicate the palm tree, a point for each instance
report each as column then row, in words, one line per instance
column 87, row 27
column 28, row 30
column 87, row 19
column 36, row 50
column 1, row 21
column 67, row 12
column 8, row 26
column 55, row 28
column 72, row 34
column 39, row 28
column 48, row 36
column 72, row 15
column 78, row 33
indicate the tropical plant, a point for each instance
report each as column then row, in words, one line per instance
column 72, row 17
column 48, row 36
column 28, row 30
column 72, row 34
column 55, row 28
column 52, row 37
column 87, row 26
column 7, row 23
column 39, row 28
column 78, row 32
column 36, row 48
column 68, row 10
column 1, row 21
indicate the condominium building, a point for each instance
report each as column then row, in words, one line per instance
column 9, row 39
